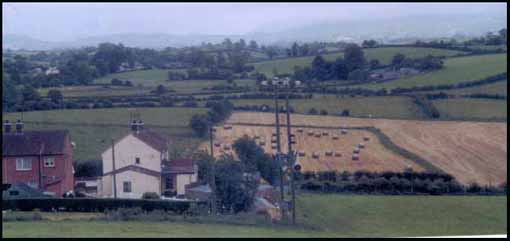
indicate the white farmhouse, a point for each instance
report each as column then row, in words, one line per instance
column 142, row 165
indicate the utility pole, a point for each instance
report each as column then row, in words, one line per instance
column 40, row 167
column 212, row 178
column 278, row 144
column 113, row 171
column 290, row 158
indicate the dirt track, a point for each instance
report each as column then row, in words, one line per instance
column 471, row 151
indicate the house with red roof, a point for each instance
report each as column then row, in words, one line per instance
column 42, row 159
column 139, row 162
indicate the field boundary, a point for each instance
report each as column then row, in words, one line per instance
column 383, row 138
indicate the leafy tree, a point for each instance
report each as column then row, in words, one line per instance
column 354, row 57
column 200, row 124
column 55, row 96
column 295, row 49
column 312, row 111
column 29, row 93
column 253, row 45
column 398, row 60
column 234, row 190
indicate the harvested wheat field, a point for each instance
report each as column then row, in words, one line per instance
column 325, row 150
column 470, row 151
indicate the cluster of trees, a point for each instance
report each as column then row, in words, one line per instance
column 118, row 82
column 427, row 63
column 236, row 177
column 340, row 69
column 490, row 38
column 219, row 111
column 406, row 182
column 427, row 106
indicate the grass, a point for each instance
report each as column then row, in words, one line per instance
column 398, row 107
column 497, row 88
column 472, row 109
column 455, row 70
column 384, row 55
column 318, row 216
column 81, row 91
column 154, row 77
column 88, row 128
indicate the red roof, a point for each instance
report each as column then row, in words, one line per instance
column 178, row 166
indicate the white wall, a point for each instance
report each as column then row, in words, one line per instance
column 183, row 180
column 126, row 150
column 140, row 183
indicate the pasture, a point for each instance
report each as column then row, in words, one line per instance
column 455, row 70
column 470, row 151
column 92, row 129
column 384, row 55
column 396, row 107
column 318, row 216
column 497, row 88
column 470, row 108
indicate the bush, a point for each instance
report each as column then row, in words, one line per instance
column 312, row 111
column 17, row 216
column 150, row 195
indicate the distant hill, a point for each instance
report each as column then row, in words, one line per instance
column 397, row 30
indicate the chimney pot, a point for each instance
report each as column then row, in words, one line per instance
column 19, row 127
column 8, row 126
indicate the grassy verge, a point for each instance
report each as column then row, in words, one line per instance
column 319, row 215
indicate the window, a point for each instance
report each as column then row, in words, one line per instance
column 23, row 164
column 169, row 183
column 137, row 160
column 49, row 162
column 126, row 186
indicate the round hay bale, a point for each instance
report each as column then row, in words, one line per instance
column 338, row 154
column 366, row 138
column 355, row 151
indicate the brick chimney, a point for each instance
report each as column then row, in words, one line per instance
column 7, row 127
column 19, row 127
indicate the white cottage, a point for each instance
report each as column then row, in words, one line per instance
column 142, row 165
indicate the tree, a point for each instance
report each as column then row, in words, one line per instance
column 253, row 45
column 29, row 93
column 374, row 63
column 55, row 96
column 200, row 124
column 354, row 57
column 312, row 111
column 271, row 52
column 295, row 49
column 398, row 60
column 340, row 69
column 234, row 189
column 369, row 43
column 161, row 89
column 345, row 112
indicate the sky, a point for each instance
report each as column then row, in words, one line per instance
column 70, row 21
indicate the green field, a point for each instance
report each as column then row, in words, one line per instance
column 154, row 77
column 92, row 129
column 81, row 91
column 455, row 70
column 398, row 107
column 497, row 88
column 384, row 55
column 472, row 109
column 318, row 216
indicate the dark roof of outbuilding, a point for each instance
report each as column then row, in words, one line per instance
column 178, row 166
column 49, row 142
column 152, row 139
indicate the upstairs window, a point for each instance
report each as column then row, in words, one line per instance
column 23, row 164
column 49, row 162
column 126, row 186
column 137, row 160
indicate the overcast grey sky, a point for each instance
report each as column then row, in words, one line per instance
column 69, row 21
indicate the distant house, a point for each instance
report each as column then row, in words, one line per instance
column 41, row 159
column 52, row 70
column 142, row 165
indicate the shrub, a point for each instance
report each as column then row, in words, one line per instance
column 150, row 195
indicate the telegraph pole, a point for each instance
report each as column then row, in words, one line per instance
column 113, row 170
column 290, row 158
column 278, row 144
column 212, row 178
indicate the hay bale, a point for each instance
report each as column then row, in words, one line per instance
column 355, row 151
column 355, row 157
column 257, row 137
column 338, row 154
column 318, row 134
column 273, row 146
column 301, row 153
column 262, row 143
column 310, row 133
column 361, row 145
column 343, row 131
column 217, row 144
column 335, row 137
column 227, row 127
column 273, row 135
column 300, row 130
column 329, row 153
column 293, row 142
column 226, row 147
column 366, row 138
column 325, row 133
column 316, row 155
